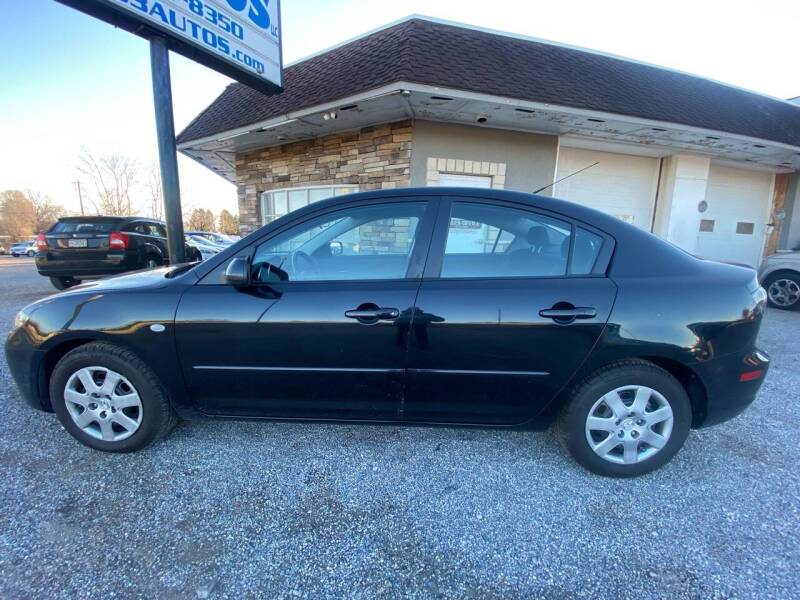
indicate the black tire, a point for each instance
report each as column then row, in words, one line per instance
column 14, row 254
column 778, row 277
column 572, row 420
column 62, row 283
column 31, row 253
column 157, row 416
column 152, row 261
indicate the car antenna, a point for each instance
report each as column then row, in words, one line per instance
column 567, row 177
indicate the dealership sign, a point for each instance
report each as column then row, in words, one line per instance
column 240, row 38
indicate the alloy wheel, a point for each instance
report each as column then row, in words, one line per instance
column 629, row 424
column 103, row 403
column 784, row 292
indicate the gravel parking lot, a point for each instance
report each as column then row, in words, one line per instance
column 283, row 510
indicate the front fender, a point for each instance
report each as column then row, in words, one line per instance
column 143, row 322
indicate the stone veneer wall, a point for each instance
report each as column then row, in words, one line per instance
column 372, row 158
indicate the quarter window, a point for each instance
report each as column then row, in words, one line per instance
column 493, row 241
column 277, row 203
column 372, row 242
column 585, row 252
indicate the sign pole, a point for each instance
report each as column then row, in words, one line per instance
column 167, row 151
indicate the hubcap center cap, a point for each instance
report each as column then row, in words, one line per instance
column 628, row 423
column 105, row 403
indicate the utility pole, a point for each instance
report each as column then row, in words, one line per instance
column 80, row 196
column 167, row 150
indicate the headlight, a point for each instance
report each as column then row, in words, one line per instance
column 20, row 319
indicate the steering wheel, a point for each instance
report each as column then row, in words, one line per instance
column 301, row 264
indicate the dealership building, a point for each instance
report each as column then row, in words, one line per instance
column 422, row 102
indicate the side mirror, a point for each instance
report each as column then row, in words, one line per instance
column 238, row 272
column 336, row 248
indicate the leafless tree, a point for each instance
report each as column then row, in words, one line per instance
column 152, row 184
column 113, row 177
column 46, row 211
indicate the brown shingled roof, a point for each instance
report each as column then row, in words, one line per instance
column 427, row 52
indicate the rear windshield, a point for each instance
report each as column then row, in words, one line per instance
column 84, row 227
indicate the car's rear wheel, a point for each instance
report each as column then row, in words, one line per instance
column 62, row 283
column 626, row 419
column 783, row 290
column 109, row 399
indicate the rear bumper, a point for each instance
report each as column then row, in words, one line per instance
column 732, row 383
column 113, row 263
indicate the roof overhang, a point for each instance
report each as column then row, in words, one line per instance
column 406, row 100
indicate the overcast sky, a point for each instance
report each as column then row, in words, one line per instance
column 67, row 80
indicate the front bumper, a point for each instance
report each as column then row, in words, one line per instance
column 732, row 383
column 25, row 363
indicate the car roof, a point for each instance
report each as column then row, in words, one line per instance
column 106, row 218
column 636, row 251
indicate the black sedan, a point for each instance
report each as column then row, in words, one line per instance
column 436, row 306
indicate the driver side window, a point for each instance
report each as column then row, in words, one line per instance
column 372, row 242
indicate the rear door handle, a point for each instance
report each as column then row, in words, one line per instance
column 581, row 312
column 370, row 314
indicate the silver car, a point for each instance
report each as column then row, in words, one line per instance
column 780, row 276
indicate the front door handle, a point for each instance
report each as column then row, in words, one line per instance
column 373, row 314
column 581, row 312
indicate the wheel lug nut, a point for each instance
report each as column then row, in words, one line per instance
column 634, row 434
column 620, row 433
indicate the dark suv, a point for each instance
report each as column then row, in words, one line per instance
column 78, row 248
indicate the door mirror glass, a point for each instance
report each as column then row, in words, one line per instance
column 238, row 272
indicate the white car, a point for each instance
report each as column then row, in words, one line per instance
column 206, row 248
column 780, row 276
column 27, row 248
column 212, row 237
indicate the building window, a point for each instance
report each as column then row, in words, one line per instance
column 277, row 203
column 446, row 171
column 707, row 225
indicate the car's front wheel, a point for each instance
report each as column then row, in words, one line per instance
column 783, row 290
column 626, row 419
column 30, row 253
column 109, row 399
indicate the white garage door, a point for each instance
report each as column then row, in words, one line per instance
column 734, row 225
column 621, row 185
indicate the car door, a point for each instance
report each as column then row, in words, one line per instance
column 322, row 331
column 511, row 303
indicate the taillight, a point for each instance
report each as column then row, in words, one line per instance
column 41, row 242
column 117, row 239
column 751, row 375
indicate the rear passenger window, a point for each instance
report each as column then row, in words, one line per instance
column 494, row 241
